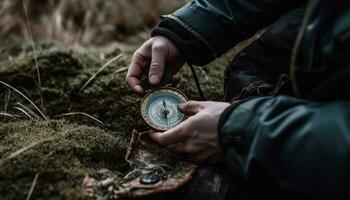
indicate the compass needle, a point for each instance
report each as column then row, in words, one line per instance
column 164, row 103
column 159, row 108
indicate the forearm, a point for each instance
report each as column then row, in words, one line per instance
column 193, row 50
column 211, row 27
column 298, row 145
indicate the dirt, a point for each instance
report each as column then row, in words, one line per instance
column 71, row 147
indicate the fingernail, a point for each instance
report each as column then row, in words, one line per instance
column 154, row 79
column 181, row 106
column 138, row 89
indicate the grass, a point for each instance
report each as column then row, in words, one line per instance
column 99, row 71
column 23, row 111
column 7, row 100
column 80, row 113
column 25, row 97
column 8, row 115
column 35, row 54
column 66, row 154
column 84, row 21
column 28, row 110
column 32, row 187
column 80, row 143
column 63, row 161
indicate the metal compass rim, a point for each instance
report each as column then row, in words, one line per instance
column 143, row 104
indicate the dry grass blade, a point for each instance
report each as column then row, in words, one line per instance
column 81, row 113
column 25, row 97
column 32, row 42
column 32, row 186
column 7, row 100
column 203, row 72
column 123, row 69
column 35, row 54
column 23, row 111
column 32, row 113
column 4, row 6
column 22, row 150
column 7, row 115
column 99, row 71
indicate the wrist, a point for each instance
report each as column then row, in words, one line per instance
column 191, row 49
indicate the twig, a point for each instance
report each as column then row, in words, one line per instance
column 24, row 96
column 32, row 186
column 99, row 71
column 80, row 113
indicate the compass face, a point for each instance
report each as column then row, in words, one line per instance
column 159, row 108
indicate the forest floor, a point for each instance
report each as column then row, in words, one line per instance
column 72, row 133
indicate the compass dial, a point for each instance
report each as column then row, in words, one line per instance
column 159, row 108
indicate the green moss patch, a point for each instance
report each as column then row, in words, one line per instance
column 68, row 150
column 59, row 152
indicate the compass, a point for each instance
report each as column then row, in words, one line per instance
column 159, row 108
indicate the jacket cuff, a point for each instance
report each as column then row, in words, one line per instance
column 193, row 50
column 235, row 137
column 196, row 20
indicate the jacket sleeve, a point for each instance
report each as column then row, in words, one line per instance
column 220, row 24
column 298, row 145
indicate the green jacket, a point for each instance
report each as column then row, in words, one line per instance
column 301, row 144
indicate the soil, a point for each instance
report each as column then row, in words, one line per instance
column 62, row 150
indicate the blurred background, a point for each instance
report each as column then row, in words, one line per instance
column 81, row 21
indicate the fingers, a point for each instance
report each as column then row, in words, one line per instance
column 191, row 107
column 182, row 148
column 196, row 152
column 172, row 136
column 157, row 64
column 150, row 60
column 176, row 79
column 136, row 70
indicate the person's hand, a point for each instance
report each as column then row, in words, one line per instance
column 197, row 136
column 151, row 59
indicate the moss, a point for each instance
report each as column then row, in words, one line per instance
column 70, row 152
column 74, row 148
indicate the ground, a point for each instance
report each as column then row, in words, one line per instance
column 45, row 152
column 63, row 149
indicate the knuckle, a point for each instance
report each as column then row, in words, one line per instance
column 193, row 105
column 155, row 65
column 190, row 104
column 158, row 46
column 155, row 69
column 137, row 56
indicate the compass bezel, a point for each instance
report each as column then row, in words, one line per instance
column 146, row 98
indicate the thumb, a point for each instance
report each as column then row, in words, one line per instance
column 191, row 107
column 157, row 64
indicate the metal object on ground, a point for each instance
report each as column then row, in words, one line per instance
column 152, row 177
